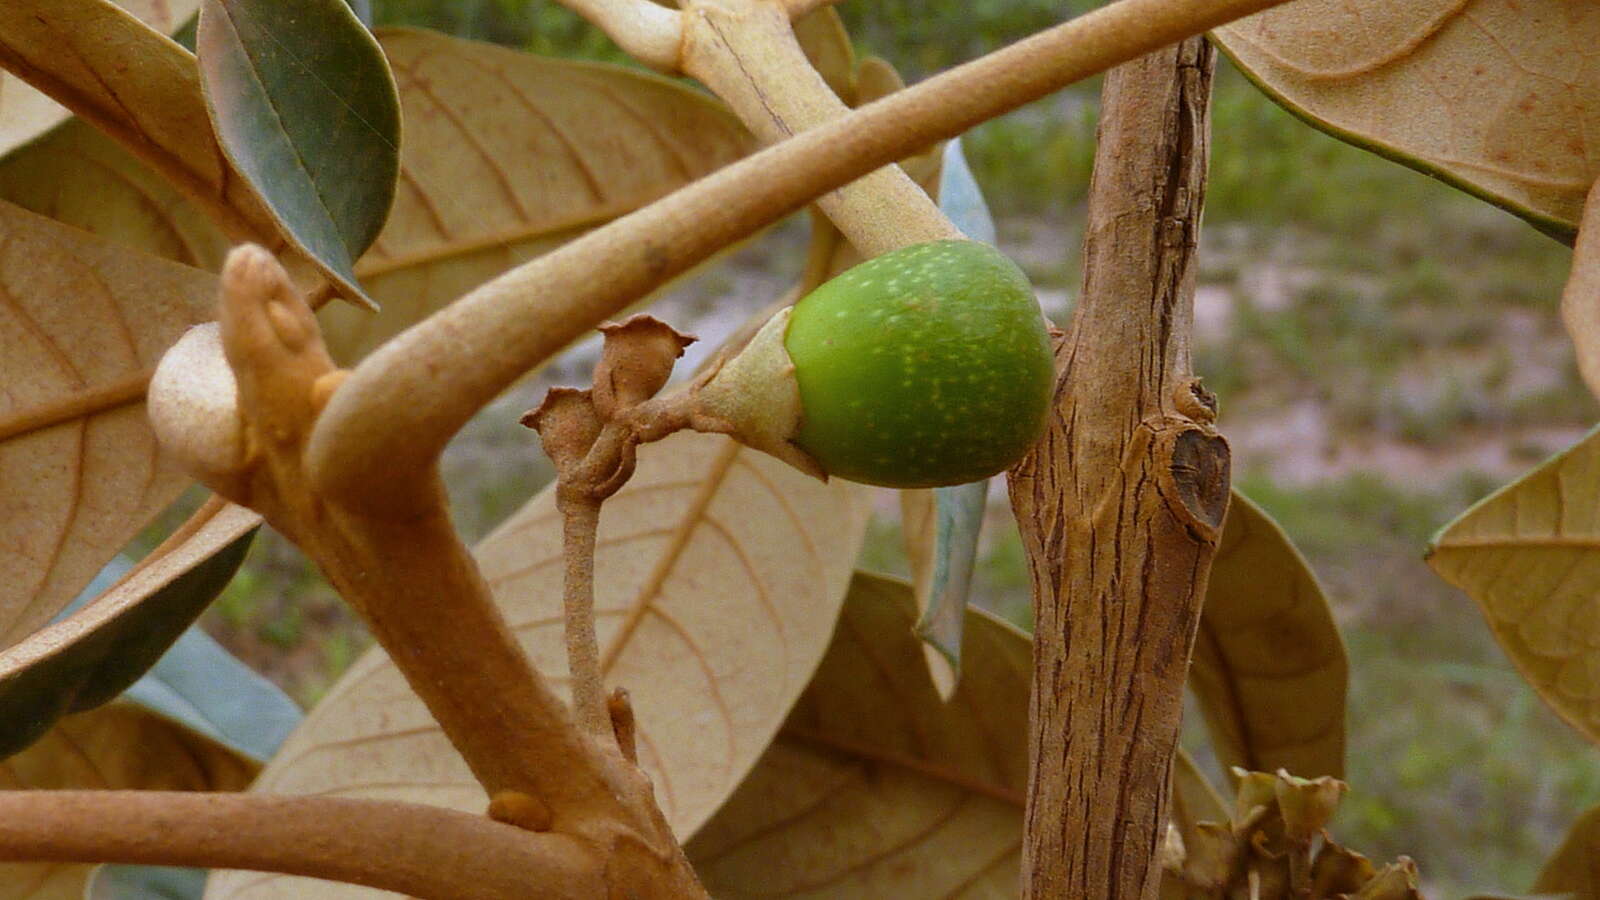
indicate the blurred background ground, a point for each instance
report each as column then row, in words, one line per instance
column 1386, row 351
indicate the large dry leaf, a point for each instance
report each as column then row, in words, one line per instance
column 81, row 320
column 79, row 176
column 508, row 155
column 1500, row 97
column 1529, row 554
column 719, row 577
column 875, row 786
column 1574, row 869
column 1269, row 666
column 90, row 657
column 133, row 83
column 1580, row 299
column 116, row 747
column 25, row 113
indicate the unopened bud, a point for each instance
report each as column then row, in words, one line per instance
column 635, row 362
column 567, row 424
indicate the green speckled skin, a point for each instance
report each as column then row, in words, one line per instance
column 923, row 367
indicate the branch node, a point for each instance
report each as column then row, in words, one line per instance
column 620, row 708
column 520, row 809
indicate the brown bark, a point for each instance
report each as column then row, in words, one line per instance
column 1121, row 503
column 421, row 851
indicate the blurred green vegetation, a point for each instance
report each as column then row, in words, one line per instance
column 1402, row 311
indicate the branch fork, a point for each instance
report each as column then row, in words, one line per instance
column 402, row 566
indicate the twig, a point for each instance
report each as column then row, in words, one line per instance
column 405, row 401
column 416, row 850
column 402, row 565
column 650, row 33
column 746, row 51
column 1121, row 502
column 580, row 518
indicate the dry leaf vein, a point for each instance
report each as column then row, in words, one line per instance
column 648, row 125
column 848, row 781
column 908, row 842
column 1400, row 50
column 763, row 595
column 877, row 755
column 716, row 474
column 800, row 528
column 417, row 85
column 1004, row 856
column 590, row 178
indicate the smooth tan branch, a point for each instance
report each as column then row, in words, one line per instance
column 654, row 34
column 403, row 403
column 651, row 34
column 416, row 850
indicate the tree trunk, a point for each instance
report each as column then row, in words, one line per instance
column 1121, row 503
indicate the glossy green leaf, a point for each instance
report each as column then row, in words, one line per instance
column 139, row 87
column 304, row 105
column 90, row 657
column 145, row 883
column 1269, row 667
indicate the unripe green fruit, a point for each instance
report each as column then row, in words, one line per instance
column 926, row 366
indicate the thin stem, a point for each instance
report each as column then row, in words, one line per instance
column 650, row 33
column 404, row 568
column 580, row 518
column 416, row 850
column 746, row 51
column 404, row 402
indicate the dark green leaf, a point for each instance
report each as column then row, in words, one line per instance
column 202, row 685
column 305, row 107
column 146, row 883
column 90, row 657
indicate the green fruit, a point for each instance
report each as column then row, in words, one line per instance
column 926, row 366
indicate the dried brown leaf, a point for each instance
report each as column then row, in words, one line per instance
column 823, row 37
column 1500, row 97
column 80, row 177
column 25, row 113
column 81, row 322
column 1574, row 868
column 508, row 155
column 137, row 86
column 876, row 787
column 1529, row 554
column 1269, row 666
column 719, row 575
column 115, row 747
column 1194, row 798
